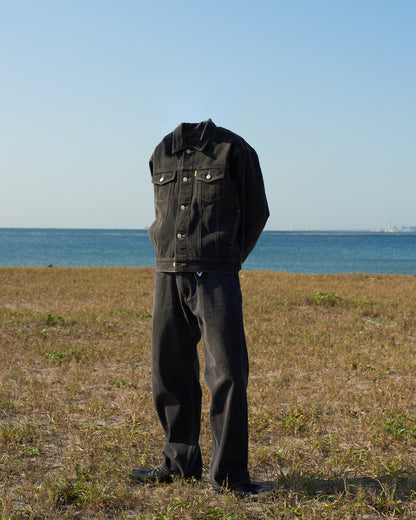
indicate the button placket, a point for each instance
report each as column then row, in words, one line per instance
column 184, row 202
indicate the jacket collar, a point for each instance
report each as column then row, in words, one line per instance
column 206, row 129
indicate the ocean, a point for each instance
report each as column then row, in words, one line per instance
column 296, row 252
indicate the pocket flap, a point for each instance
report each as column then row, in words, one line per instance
column 162, row 178
column 209, row 174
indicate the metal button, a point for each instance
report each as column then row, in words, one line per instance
column 188, row 151
column 185, row 179
column 161, row 179
column 183, row 207
column 208, row 176
column 179, row 235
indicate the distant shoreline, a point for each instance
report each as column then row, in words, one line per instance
column 407, row 231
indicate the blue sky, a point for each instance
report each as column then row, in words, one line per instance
column 323, row 90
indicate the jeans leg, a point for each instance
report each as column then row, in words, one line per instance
column 226, row 374
column 175, row 376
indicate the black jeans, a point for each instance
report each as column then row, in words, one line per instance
column 187, row 306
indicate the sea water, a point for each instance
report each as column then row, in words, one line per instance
column 297, row 252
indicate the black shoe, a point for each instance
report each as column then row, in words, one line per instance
column 251, row 491
column 159, row 474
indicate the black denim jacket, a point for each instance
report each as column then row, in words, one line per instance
column 210, row 201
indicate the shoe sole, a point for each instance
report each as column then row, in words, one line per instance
column 138, row 477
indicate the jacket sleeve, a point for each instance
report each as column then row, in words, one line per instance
column 254, row 210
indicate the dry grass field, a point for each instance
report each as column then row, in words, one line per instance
column 332, row 398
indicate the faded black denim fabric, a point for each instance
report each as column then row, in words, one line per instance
column 185, row 306
column 210, row 209
column 210, row 201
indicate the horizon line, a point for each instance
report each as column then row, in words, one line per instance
column 393, row 229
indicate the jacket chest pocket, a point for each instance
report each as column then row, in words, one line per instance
column 210, row 184
column 163, row 183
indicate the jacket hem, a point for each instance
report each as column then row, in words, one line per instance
column 206, row 266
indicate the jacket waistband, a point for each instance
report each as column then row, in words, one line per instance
column 168, row 265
